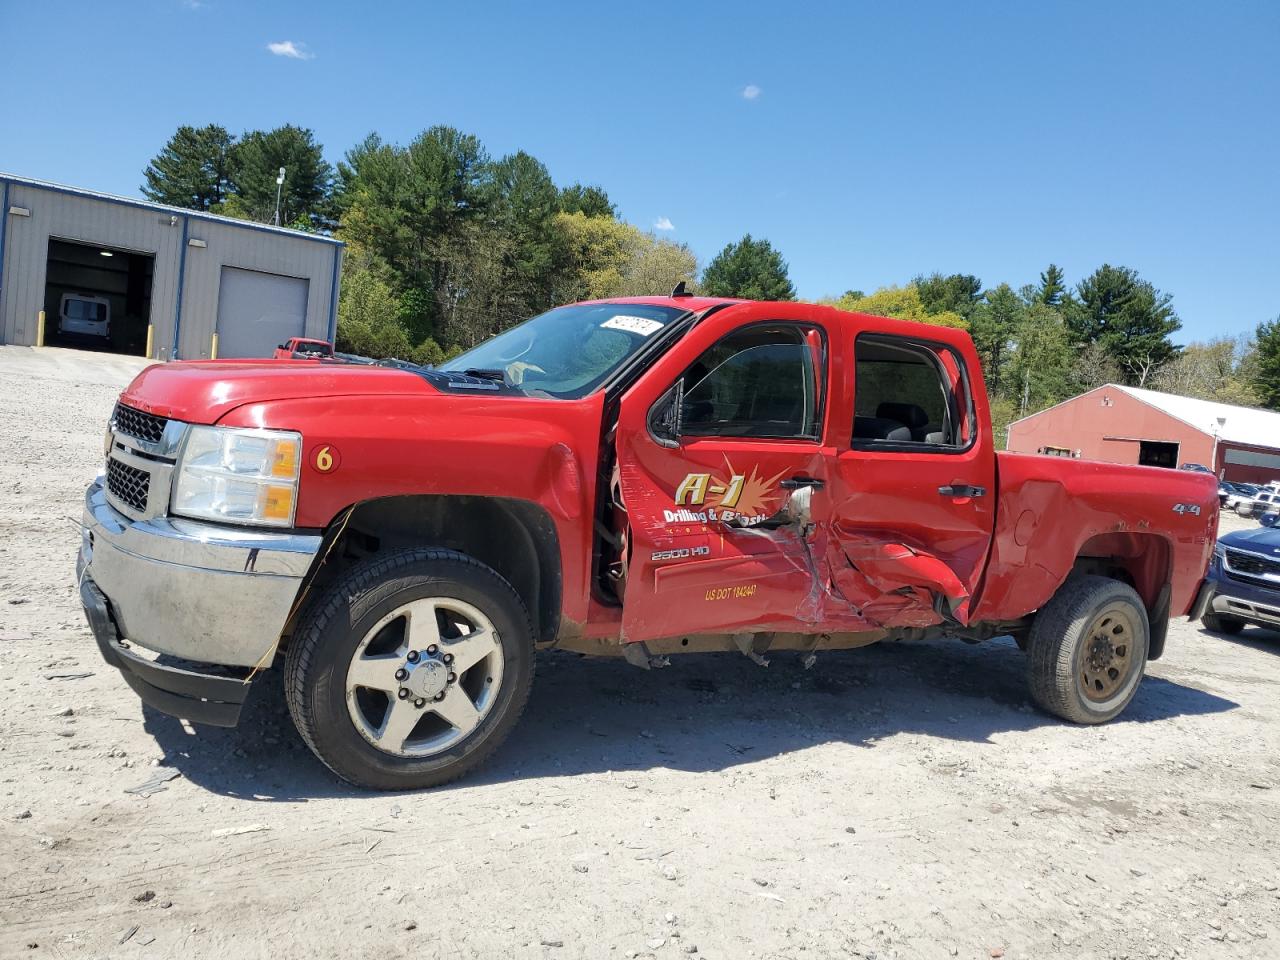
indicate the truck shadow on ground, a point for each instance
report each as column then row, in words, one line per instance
column 1255, row 638
column 703, row 713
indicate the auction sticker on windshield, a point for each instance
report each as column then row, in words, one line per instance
column 641, row 325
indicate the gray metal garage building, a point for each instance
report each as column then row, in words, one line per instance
column 187, row 282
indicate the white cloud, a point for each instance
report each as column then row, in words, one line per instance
column 751, row 91
column 663, row 223
column 287, row 48
column 192, row 4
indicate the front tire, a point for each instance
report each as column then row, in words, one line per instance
column 1216, row 623
column 411, row 669
column 1088, row 649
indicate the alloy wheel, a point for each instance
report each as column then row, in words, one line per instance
column 424, row 677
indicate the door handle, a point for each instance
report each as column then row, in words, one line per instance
column 795, row 483
column 962, row 490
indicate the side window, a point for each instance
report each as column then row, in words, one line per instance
column 908, row 392
column 760, row 381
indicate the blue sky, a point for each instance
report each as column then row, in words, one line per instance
column 883, row 140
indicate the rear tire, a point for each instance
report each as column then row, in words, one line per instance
column 1088, row 649
column 1217, row 623
column 370, row 674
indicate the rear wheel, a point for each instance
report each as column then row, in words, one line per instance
column 1217, row 623
column 1088, row 649
column 411, row 669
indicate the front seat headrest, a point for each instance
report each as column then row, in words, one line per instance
column 908, row 413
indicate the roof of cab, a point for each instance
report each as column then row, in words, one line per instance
column 689, row 302
column 953, row 336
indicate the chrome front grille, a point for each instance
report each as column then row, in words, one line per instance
column 142, row 450
column 1251, row 566
column 128, row 485
column 135, row 423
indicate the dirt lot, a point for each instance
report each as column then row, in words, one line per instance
column 897, row 801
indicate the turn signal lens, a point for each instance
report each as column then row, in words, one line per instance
column 276, row 503
column 284, row 459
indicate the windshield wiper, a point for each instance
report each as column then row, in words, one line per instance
column 485, row 373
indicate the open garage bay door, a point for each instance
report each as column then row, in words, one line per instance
column 97, row 297
column 257, row 311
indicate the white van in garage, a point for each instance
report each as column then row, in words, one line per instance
column 84, row 315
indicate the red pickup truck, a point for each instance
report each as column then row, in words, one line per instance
column 637, row 477
column 303, row 348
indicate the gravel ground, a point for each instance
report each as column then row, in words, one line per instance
column 897, row 801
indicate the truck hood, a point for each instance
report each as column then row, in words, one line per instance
column 205, row 391
column 1258, row 540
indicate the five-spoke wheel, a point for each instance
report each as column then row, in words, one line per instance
column 424, row 676
column 410, row 669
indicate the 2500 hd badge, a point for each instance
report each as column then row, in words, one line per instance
column 682, row 554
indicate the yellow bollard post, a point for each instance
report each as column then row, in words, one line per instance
column 213, row 348
column 151, row 330
column 40, row 329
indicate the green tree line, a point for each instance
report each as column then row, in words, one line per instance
column 448, row 245
column 206, row 168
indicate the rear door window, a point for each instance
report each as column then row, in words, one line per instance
column 86, row 310
column 909, row 393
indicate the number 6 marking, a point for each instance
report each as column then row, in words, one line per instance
column 325, row 459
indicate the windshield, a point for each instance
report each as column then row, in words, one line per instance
column 566, row 352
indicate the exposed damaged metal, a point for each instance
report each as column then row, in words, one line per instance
column 752, row 646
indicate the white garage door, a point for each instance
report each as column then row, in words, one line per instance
column 258, row 311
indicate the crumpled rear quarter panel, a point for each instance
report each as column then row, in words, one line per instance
column 1050, row 507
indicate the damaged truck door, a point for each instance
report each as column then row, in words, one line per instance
column 784, row 474
column 720, row 452
column 914, row 490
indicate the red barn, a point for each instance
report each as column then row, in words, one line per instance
column 1129, row 425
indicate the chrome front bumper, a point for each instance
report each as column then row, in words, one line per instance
column 199, row 591
column 1243, row 609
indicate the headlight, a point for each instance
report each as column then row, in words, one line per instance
column 243, row 476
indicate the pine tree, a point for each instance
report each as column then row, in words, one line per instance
column 591, row 201
column 308, row 178
column 992, row 325
column 193, row 169
column 1266, row 364
column 1127, row 317
column 1051, row 286
column 750, row 269
column 958, row 293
